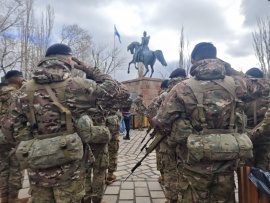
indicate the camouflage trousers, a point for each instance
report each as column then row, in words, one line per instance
column 158, row 158
column 113, row 153
column 169, row 164
column 204, row 188
column 113, row 123
column 140, row 120
column 11, row 176
column 95, row 185
column 73, row 193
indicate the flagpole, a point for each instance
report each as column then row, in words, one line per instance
column 114, row 51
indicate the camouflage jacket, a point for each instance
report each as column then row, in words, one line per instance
column 173, row 81
column 140, row 106
column 257, row 108
column 181, row 102
column 79, row 96
column 5, row 98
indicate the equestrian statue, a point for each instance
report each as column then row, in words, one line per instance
column 141, row 53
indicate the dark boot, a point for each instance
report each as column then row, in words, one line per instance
column 4, row 198
column 126, row 138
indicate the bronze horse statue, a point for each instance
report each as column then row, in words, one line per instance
column 147, row 57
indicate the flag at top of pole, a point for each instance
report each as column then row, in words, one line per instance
column 117, row 34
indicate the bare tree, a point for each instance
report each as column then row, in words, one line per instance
column 11, row 12
column 9, row 54
column 106, row 60
column 79, row 39
column 184, row 55
column 261, row 44
column 42, row 36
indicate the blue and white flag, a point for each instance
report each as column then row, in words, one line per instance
column 117, row 34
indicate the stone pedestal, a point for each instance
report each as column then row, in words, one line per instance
column 148, row 87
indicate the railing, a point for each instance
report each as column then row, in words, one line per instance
column 248, row 193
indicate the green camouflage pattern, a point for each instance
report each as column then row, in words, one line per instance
column 173, row 81
column 169, row 165
column 6, row 94
column 96, row 176
column 261, row 147
column 74, row 192
column 80, row 95
column 62, row 150
column 217, row 147
column 196, row 187
column 11, row 176
column 113, row 123
column 181, row 100
column 140, row 106
column 90, row 133
column 180, row 131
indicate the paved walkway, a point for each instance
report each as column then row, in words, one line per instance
column 141, row 187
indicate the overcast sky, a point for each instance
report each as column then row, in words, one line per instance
column 225, row 23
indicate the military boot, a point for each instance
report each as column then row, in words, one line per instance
column 4, row 198
column 110, row 178
column 13, row 198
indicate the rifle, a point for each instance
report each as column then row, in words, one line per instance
column 152, row 135
column 148, row 130
column 151, row 147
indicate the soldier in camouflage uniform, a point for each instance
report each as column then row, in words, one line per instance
column 11, row 176
column 150, row 113
column 96, row 175
column 64, row 183
column 205, row 181
column 255, row 112
column 168, row 156
column 140, row 110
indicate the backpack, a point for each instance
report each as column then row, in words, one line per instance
column 217, row 144
column 55, row 149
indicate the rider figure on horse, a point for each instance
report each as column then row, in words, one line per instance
column 143, row 46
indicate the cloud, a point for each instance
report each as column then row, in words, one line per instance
column 241, row 46
column 201, row 20
column 253, row 9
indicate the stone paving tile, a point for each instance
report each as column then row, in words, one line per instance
column 126, row 194
column 141, row 192
column 154, row 186
column 112, row 190
column 110, row 198
column 158, row 200
column 140, row 184
column 157, row 194
column 143, row 199
column 127, row 185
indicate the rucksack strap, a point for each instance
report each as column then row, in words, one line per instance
column 63, row 109
column 60, row 87
column 255, row 112
column 197, row 89
column 229, row 85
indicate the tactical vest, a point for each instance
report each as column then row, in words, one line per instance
column 217, row 144
column 55, row 149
